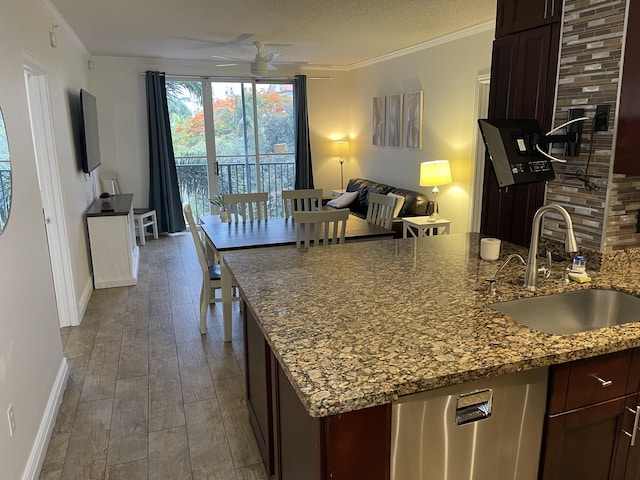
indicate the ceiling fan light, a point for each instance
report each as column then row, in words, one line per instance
column 259, row 69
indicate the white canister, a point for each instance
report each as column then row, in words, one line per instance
column 490, row 249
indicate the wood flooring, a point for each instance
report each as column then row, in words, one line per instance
column 148, row 397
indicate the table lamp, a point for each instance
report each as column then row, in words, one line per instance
column 433, row 174
column 341, row 149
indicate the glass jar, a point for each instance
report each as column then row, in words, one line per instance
column 579, row 264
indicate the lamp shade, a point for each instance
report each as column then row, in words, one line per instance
column 434, row 173
column 341, row 148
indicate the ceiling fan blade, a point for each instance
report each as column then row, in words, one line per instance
column 272, row 56
column 271, row 66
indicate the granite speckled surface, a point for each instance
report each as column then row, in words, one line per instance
column 360, row 324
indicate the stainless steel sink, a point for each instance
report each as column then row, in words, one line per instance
column 573, row 312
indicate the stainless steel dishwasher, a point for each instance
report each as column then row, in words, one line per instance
column 488, row 429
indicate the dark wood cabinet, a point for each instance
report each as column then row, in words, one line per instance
column 626, row 159
column 591, row 413
column 518, row 15
column 523, row 76
column 295, row 445
column 258, row 388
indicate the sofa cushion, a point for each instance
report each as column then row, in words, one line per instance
column 415, row 203
column 399, row 203
column 363, row 187
column 343, row 200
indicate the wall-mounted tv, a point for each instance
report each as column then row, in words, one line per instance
column 511, row 144
column 89, row 141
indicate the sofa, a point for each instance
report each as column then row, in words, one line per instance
column 415, row 203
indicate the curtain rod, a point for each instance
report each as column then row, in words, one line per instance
column 206, row 77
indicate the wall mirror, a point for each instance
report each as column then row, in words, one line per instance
column 5, row 176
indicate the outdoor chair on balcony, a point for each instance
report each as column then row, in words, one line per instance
column 307, row 200
column 246, row 206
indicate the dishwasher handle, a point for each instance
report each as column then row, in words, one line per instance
column 474, row 406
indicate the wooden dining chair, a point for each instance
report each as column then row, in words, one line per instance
column 307, row 200
column 325, row 227
column 380, row 211
column 211, row 275
column 246, row 206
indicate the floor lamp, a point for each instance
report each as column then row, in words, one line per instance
column 433, row 174
column 341, row 149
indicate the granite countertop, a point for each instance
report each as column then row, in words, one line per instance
column 358, row 325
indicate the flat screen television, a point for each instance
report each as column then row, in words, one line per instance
column 89, row 141
column 511, row 144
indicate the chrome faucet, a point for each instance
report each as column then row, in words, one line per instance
column 570, row 244
column 491, row 289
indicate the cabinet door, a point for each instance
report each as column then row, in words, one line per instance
column 588, row 443
column 523, row 72
column 298, row 437
column 259, row 387
column 626, row 155
column 633, row 460
column 519, row 15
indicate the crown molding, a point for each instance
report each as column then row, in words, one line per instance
column 465, row 32
column 58, row 20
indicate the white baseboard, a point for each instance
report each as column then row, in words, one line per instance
column 84, row 299
column 39, row 448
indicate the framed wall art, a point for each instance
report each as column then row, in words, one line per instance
column 379, row 104
column 413, row 109
column 394, row 120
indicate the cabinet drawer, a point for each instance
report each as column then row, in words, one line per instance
column 585, row 382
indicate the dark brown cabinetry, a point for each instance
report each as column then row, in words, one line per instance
column 523, row 75
column 590, row 419
column 626, row 159
column 295, row 445
column 518, row 15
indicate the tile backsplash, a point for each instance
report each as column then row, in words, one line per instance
column 605, row 212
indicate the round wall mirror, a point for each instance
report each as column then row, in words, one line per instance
column 5, row 176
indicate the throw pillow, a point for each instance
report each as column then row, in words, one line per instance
column 399, row 203
column 343, row 200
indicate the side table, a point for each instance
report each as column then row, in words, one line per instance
column 422, row 225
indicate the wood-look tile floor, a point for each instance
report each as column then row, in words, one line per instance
column 148, row 397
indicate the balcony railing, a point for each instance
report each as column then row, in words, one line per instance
column 277, row 173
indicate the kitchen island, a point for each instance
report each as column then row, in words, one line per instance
column 353, row 328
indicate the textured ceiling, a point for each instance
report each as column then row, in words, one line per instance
column 337, row 33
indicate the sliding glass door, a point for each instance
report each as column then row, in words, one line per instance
column 232, row 137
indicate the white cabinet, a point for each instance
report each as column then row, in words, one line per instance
column 114, row 253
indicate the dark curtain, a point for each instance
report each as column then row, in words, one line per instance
column 304, row 171
column 164, row 194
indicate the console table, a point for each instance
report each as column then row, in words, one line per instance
column 422, row 225
column 112, row 239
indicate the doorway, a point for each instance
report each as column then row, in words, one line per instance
column 35, row 75
column 482, row 107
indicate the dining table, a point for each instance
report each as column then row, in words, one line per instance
column 225, row 238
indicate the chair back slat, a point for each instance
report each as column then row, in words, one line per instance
column 325, row 227
column 246, row 206
column 197, row 240
column 380, row 211
column 306, row 200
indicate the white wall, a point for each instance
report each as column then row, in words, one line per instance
column 447, row 74
column 30, row 346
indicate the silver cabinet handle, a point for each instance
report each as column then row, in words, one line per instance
column 636, row 418
column 553, row 7
column 545, row 8
column 603, row 383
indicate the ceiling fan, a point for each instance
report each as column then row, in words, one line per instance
column 261, row 64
